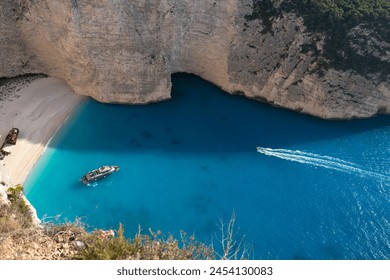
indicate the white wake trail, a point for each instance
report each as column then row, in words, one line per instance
column 322, row 161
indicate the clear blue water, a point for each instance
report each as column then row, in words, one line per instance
column 321, row 190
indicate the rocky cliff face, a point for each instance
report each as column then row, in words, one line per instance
column 125, row 52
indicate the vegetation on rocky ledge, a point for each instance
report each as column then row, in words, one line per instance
column 350, row 9
column 107, row 245
column 325, row 15
column 334, row 10
column 351, row 29
column 20, row 238
column 17, row 215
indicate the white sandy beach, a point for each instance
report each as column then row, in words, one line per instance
column 38, row 110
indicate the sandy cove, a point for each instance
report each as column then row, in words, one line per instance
column 38, row 110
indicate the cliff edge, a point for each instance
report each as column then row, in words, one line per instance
column 293, row 54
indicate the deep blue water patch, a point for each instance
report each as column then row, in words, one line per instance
column 322, row 191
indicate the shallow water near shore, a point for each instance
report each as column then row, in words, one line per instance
column 314, row 189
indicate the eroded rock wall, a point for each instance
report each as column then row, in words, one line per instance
column 125, row 52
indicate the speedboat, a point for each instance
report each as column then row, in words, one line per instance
column 99, row 173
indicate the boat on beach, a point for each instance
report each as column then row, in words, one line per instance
column 12, row 136
column 11, row 140
column 99, row 173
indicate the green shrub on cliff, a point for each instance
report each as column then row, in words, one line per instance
column 103, row 245
column 326, row 15
column 19, row 208
column 352, row 9
column 17, row 215
column 323, row 15
column 339, row 23
column 72, row 241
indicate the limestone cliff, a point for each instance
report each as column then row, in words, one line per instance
column 125, row 52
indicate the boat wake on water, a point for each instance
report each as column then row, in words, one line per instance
column 322, row 161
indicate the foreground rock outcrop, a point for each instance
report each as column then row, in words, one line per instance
column 126, row 51
column 36, row 244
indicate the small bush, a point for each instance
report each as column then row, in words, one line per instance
column 155, row 247
column 102, row 247
column 19, row 208
column 152, row 246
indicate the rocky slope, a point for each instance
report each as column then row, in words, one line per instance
column 36, row 244
column 125, row 52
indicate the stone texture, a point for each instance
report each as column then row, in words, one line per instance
column 125, row 52
column 3, row 196
column 36, row 243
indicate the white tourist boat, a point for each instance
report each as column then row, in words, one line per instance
column 99, row 173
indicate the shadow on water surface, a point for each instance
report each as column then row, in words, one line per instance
column 201, row 118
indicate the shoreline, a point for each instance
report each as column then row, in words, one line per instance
column 38, row 110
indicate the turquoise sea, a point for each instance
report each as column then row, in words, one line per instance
column 314, row 189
